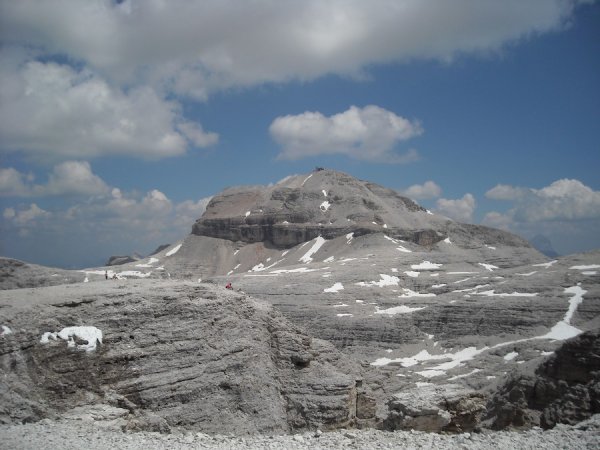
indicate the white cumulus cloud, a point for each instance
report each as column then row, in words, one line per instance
column 51, row 111
column 194, row 47
column 25, row 215
column 564, row 199
column 460, row 209
column 429, row 189
column 13, row 183
column 368, row 133
column 67, row 178
column 89, row 231
column 83, row 79
column 505, row 192
column 567, row 211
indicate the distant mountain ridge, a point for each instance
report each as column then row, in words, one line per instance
column 329, row 203
column 543, row 244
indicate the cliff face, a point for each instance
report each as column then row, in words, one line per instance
column 300, row 208
column 160, row 356
column 563, row 389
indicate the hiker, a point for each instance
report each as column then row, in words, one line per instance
column 228, row 286
column 106, row 275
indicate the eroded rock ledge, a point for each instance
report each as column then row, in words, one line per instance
column 173, row 354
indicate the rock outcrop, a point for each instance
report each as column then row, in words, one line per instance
column 171, row 354
column 448, row 407
column 15, row 274
column 120, row 260
column 300, row 208
column 565, row 388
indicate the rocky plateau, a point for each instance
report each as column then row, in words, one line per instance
column 351, row 306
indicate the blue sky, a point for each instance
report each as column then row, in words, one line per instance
column 119, row 121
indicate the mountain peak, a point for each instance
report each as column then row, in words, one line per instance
column 323, row 203
column 299, row 208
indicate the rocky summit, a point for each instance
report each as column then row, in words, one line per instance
column 351, row 306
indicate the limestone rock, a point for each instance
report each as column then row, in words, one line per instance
column 433, row 408
column 565, row 388
column 15, row 274
column 171, row 354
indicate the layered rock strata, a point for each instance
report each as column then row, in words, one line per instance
column 171, row 354
column 565, row 388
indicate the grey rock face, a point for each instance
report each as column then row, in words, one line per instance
column 15, row 274
column 173, row 354
column 298, row 209
column 448, row 407
column 543, row 244
column 416, row 300
column 119, row 260
column 565, row 388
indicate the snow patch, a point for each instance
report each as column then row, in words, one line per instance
column 5, row 331
column 90, row 334
column 528, row 274
column 588, row 267
column 546, row 265
column 386, row 280
column 489, row 267
column 510, row 356
column 490, row 247
column 335, row 288
column 173, row 250
column 306, row 179
column 409, row 293
column 464, row 375
column 431, row 373
column 324, row 192
column 447, row 241
column 344, row 315
column 325, row 205
column 395, row 241
column 402, row 309
column 463, row 280
column 298, row 270
column 411, row 273
column 149, row 263
column 318, row 242
column 561, row 331
column 328, row 260
column 505, row 294
column 425, row 265
column 133, row 273
column 574, row 302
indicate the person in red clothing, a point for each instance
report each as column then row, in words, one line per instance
column 228, row 286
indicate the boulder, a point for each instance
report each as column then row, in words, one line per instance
column 435, row 408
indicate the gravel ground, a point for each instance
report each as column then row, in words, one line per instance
column 70, row 435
